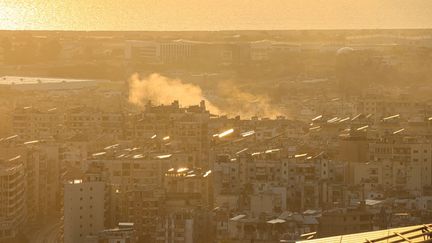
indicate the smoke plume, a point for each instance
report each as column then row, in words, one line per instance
column 239, row 102
column 230, row 100
column 164, row 91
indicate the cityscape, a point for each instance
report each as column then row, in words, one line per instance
column 218, row 136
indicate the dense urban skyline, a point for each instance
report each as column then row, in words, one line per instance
column 301, row 122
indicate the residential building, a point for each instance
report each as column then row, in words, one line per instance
column 84, row 209
column 13, row 212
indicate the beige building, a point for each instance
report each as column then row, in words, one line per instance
column 32, row 124
column 43, row 178
column 344, row 221
column 382, row 107
column 42, row 170
column 143, row 51
column 94, row 122
column 84, row 209
column 183, row 218
column 158, row 52
column 13, row 213
column 176, row 227
column 175, row 127
column 405, row 162
column 143, row 208
column 135, row 184
column 124, row 233
column 260, row 50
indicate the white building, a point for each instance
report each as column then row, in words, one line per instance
column 260, row 50
column 84, row 207
column 158, row 52
column 177, row 50
column 146, row 51
column 47, row 84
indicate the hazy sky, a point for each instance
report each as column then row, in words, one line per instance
column 213, row 14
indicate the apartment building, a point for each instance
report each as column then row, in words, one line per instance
column 33, row 124
column 123, row 233
column 382, row 107
column 93, row 122
column 345, row 221
column 84, row 209
column 184, row 218
column 181, row 129
column 405, row 162
column 13, row 212
column 158, row 52
column 42, row 170
column 143, row 208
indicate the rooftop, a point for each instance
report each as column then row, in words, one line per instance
column 416, row 233
column 17, row 80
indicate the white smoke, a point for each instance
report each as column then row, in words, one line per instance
column 163, row 90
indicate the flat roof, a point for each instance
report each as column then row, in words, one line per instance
column 17, row 80
column 374, row 236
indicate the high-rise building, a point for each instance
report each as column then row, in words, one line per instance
column 84, row 209
column 13, row 213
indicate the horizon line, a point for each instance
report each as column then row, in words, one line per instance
column 221, row 30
